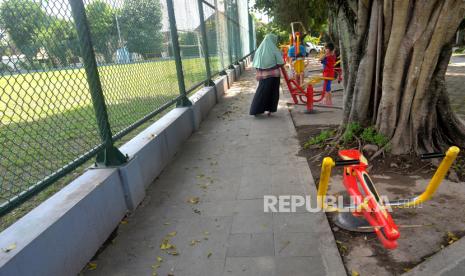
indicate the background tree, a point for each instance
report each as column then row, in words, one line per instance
column 189, row 42
column 312, row 13
column 59, row 38
column 263, row 29
column 23, row 20
column 395, row 54
column 102, row 24
column 141, row 26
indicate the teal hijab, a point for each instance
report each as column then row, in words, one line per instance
column 268, row 55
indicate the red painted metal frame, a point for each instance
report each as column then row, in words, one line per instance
column 372, row 207
column 298, row 93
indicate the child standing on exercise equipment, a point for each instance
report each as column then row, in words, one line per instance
column 328, row 61
column 297, row 57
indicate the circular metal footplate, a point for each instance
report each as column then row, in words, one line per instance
column 347, row 221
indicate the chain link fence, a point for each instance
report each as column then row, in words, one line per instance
column 78, row 75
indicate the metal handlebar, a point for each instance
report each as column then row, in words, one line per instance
column 438, row 176
column 340, row 163
column 432, row 155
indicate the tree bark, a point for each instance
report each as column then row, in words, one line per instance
column 410, row 41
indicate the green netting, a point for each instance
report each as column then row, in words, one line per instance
column 136, row 64
column 190, row 41
column 212, row 26
column 47, row 107
column 47, row 119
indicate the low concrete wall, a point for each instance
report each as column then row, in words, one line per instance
column 237, row 72
column 231, row 75
column 63, row 233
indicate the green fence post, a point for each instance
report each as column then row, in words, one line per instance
column 229, row 34
column 110, row 155
column 219, row 40
column 203, row 31
column 184, row 101
column 238, row 33
column 250, row 21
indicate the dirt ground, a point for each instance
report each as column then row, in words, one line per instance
column 425, row 230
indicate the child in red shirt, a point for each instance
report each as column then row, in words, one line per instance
column 328, row 61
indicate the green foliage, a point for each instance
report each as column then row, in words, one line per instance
column 312, row 39
column 102, row 24
column 351, row 131
column 31, row 29
column 189, row 44
column 368, row 135
column 263, row 29
column 23, row 21
column 460, row 50
column 371, row 136
column 141, row 24
column 60, row 41
column 320, row 139
column 312, row 13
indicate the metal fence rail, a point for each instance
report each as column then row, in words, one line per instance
column 78, row 75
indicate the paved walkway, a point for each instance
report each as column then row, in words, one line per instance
column 228, row 165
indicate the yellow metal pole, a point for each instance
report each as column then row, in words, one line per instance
column 326, row 166
column 439, row 175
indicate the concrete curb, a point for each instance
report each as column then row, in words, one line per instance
column 449, row 261
column 332, row 260
column 63, row 233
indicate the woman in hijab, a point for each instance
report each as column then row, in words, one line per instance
column 267, row 61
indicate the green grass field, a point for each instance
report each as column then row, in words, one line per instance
column 47, row 118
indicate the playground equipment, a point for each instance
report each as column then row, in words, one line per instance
column 370, row 212
column 305, row 95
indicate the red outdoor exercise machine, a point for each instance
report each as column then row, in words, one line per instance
column 306, row 95
column 370, row 213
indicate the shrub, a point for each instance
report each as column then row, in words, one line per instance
column 352, row 130
column 319, row 139
column 371, row 136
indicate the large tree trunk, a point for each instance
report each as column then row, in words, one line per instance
column 395, row 55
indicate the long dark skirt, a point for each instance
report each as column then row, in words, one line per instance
column 266, row 97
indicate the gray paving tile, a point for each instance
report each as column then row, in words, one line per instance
column 250, row 266
column 250, row 245
column 249, row 207
column 296, row 244
column 252, row 224
column 295, row 222
column 302, row 266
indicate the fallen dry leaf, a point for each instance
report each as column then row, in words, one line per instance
column 193, row 200
column 174, row 253
column 172, row 234
column 451, row 237
column 9, row 248
column 194, row 242
column 159, row 259
column 354, row 273
column 209, row 254
column 165, row 244
column 92, row 266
